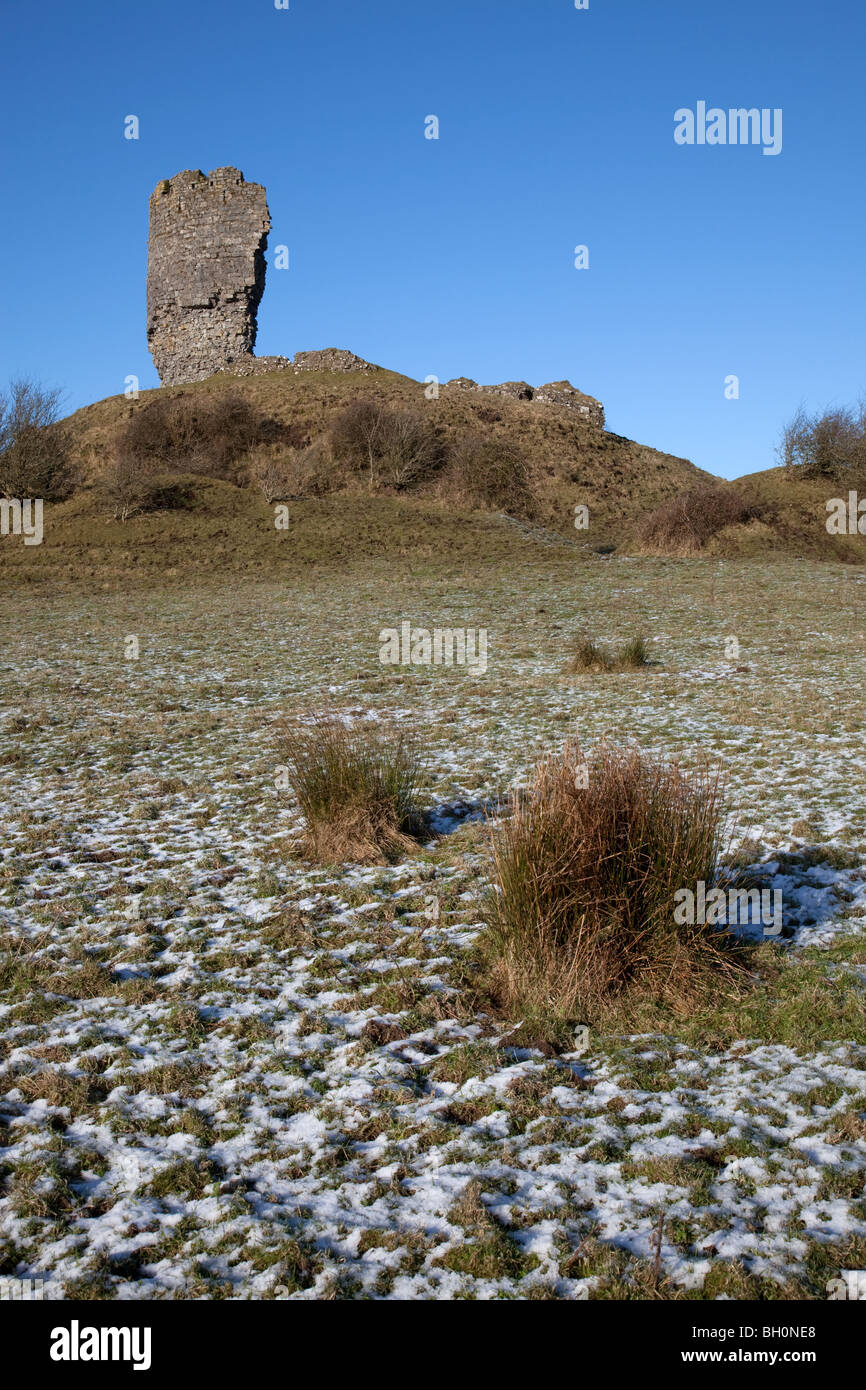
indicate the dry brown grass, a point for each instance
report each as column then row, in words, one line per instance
column 592, row 658
column 546, row 452
column 586, row 870
column 357, row 788
column 683, row 525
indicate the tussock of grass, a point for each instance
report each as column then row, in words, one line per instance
column 358, row 790
column 590, row 657
column 585, row 876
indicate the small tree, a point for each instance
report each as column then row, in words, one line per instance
column 34, row 449
column 412, row 449
column 825, row 445
column 359, row 434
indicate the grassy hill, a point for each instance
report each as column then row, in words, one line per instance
column 224, row 523
column 794, row 515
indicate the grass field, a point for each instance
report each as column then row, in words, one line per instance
column 228, row 1073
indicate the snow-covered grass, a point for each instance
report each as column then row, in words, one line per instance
column 230, row 1073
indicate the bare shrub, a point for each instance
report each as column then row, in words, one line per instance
column 826, row 445
column 131, row 486
column 492, row 473
column 400, row 446
column 281, row 473
column 198, row 434
column 358, row 435
column 267, row 471
column 124, row 484
column 357, row 787
column 34, row 446
column 413, row 450
column 586, row 870
column 688, row 522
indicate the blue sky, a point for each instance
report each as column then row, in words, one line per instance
column 456, row 256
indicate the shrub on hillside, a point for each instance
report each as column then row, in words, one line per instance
column 280, row 473
column 586, row 871
column 492, row 473
column 198, row 433
column 357, row 787
column 400, row 447
column 689, row 521
column 34, row 446
column 130, row 486
column 827, row 445
column 413, row 449
column 357, row 435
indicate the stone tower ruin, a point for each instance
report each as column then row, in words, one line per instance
column 205, row 272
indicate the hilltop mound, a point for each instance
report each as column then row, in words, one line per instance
column 532, row 456
column 222, row 452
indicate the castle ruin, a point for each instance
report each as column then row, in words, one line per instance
column 205, row 272
column 205, row 280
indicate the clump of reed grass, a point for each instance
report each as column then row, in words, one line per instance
column 591, row 656
column 586, row 870
column 357, row 786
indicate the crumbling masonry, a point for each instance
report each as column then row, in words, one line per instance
column 205, row 272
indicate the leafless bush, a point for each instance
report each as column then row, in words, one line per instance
column 492, row 473
column 34, row 446
column 198, row 434
column 400, row 446
column 687, row 522
column 413, row 450
column 826, row 445
column 124, row 484
column 132, row 485
column 281, row 473
column 358, row 435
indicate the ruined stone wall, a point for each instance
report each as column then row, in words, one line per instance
column 322, row 360
column 554, row 393
column 205, row 272
column 332, row 360
column 563, row 393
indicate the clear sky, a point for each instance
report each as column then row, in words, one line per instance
column 456, row 256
